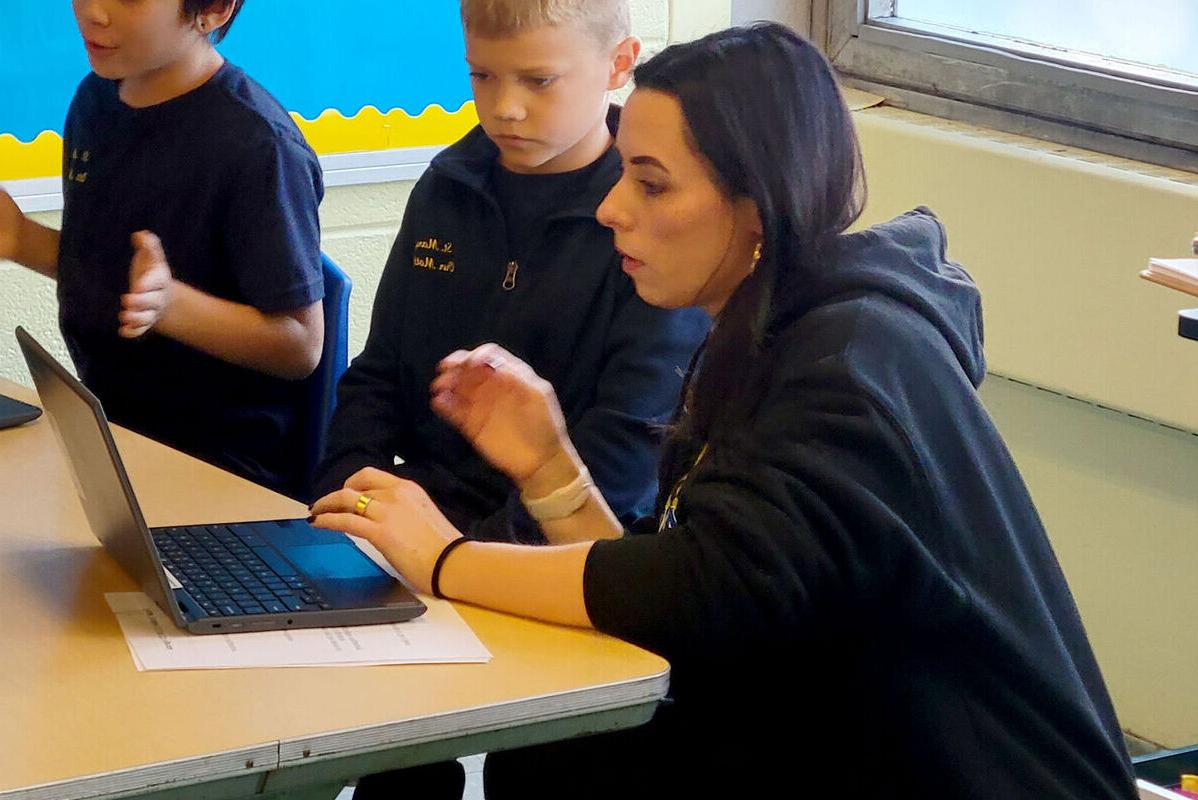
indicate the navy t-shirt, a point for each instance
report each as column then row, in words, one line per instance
column 225, row 179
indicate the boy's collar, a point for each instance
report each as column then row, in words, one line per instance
column 112, row 88
column 472, row 158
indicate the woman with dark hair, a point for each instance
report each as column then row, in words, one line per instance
column 847, row 574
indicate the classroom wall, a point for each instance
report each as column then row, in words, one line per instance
column 358, row 222
column 795, row 13
column 1092, row 366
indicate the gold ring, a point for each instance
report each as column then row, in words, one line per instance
column 364, row 501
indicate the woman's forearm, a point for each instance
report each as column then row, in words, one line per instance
column 540, row 582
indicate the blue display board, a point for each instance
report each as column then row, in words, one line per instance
column 362, row 64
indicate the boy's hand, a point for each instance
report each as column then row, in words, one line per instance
column 149, row 286
column 10, row 226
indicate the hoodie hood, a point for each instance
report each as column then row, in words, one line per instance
column 905, row 259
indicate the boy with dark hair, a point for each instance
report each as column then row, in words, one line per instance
column 500, row 243
column 188, row 264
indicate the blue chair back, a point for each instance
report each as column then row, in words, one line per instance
column 333, row 360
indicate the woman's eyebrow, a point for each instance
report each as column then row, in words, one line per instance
column 648, row 161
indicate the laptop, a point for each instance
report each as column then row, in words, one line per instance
column 13, row 412
column 216, row 577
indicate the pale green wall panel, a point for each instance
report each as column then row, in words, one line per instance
column 1119, row 498
column 690, row 19
column 1054, row 237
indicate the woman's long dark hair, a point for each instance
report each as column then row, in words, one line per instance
column 765, row 112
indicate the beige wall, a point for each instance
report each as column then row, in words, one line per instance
column 795, row 13
column 358, row 222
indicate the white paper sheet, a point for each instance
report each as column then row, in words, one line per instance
column 1184, row 268
column 437, row 636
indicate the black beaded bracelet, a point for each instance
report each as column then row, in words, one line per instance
column 440, row 562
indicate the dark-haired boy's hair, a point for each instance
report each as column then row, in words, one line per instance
column 193, row 8
column 764, row 111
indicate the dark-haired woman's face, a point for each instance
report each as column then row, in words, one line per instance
column 684, row 242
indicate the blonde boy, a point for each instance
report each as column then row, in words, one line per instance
column 541, row 73
column 499, row 243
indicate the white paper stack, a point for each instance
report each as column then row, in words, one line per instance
column 1176, row 273
column 438, row 636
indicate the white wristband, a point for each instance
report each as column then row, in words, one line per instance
column 560, row 503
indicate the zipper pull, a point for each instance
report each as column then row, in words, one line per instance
column 509, row 280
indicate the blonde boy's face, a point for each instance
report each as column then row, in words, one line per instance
column 541, row 95
column 132, row 38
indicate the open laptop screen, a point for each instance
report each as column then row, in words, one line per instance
column 95, row 466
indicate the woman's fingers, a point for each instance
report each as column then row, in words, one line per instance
column 350, row 524
column 371, row 479
column 453, row 360
column 472, row 377
column 464, row 371
column 489, row 354
column 342, row 501
column 445, row 381
column 466, row 379
column 367, row 499
column 449, row 406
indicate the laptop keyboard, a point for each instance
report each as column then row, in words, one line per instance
column 231, row 571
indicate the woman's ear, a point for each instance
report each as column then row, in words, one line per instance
column 748, row 216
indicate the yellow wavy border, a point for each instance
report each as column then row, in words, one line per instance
column 41, row 158
column 369, row 129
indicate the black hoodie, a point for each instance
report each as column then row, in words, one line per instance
column 858, row 583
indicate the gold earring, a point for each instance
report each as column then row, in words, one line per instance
column 756, row 258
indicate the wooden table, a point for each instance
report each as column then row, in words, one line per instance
column 77, row 720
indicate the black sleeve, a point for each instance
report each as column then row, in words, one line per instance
column 368, row 427
column 618, row 437
column 783, row 528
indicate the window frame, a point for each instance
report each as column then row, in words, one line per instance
column 1012, row 88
